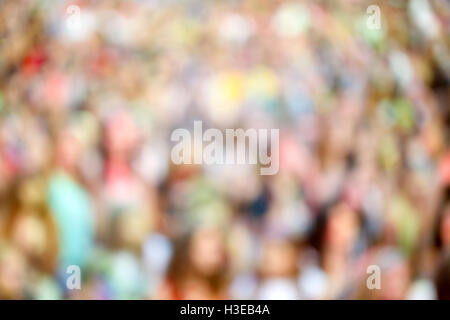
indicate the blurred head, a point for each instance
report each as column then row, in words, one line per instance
column 199, row 256
column 13, row 269
column 29, row 234
column 342, row 228
column 68, row 150
column 279, row 258
column 120, row 134
column 207, row 251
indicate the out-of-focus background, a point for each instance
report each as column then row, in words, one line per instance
column 87, row 107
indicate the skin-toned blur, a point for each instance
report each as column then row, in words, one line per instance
column 90, row 92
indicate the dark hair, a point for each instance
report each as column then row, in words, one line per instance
column 181, row 265
column 441, row 211
column 442, row 279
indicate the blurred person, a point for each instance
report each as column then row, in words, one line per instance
column 70, row 204
column 337, row 238
column 31, row 228
column 278, row 271
column 198, row 269
column 129, row 204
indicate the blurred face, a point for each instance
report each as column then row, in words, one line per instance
column 29, row 234
column 12, row 275
column 207, row 252
column 68, row 151
column 121, row 135
column 340, row 137
column 279, row 259
column 342, row 228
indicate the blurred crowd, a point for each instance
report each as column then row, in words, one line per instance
column 87, row 107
